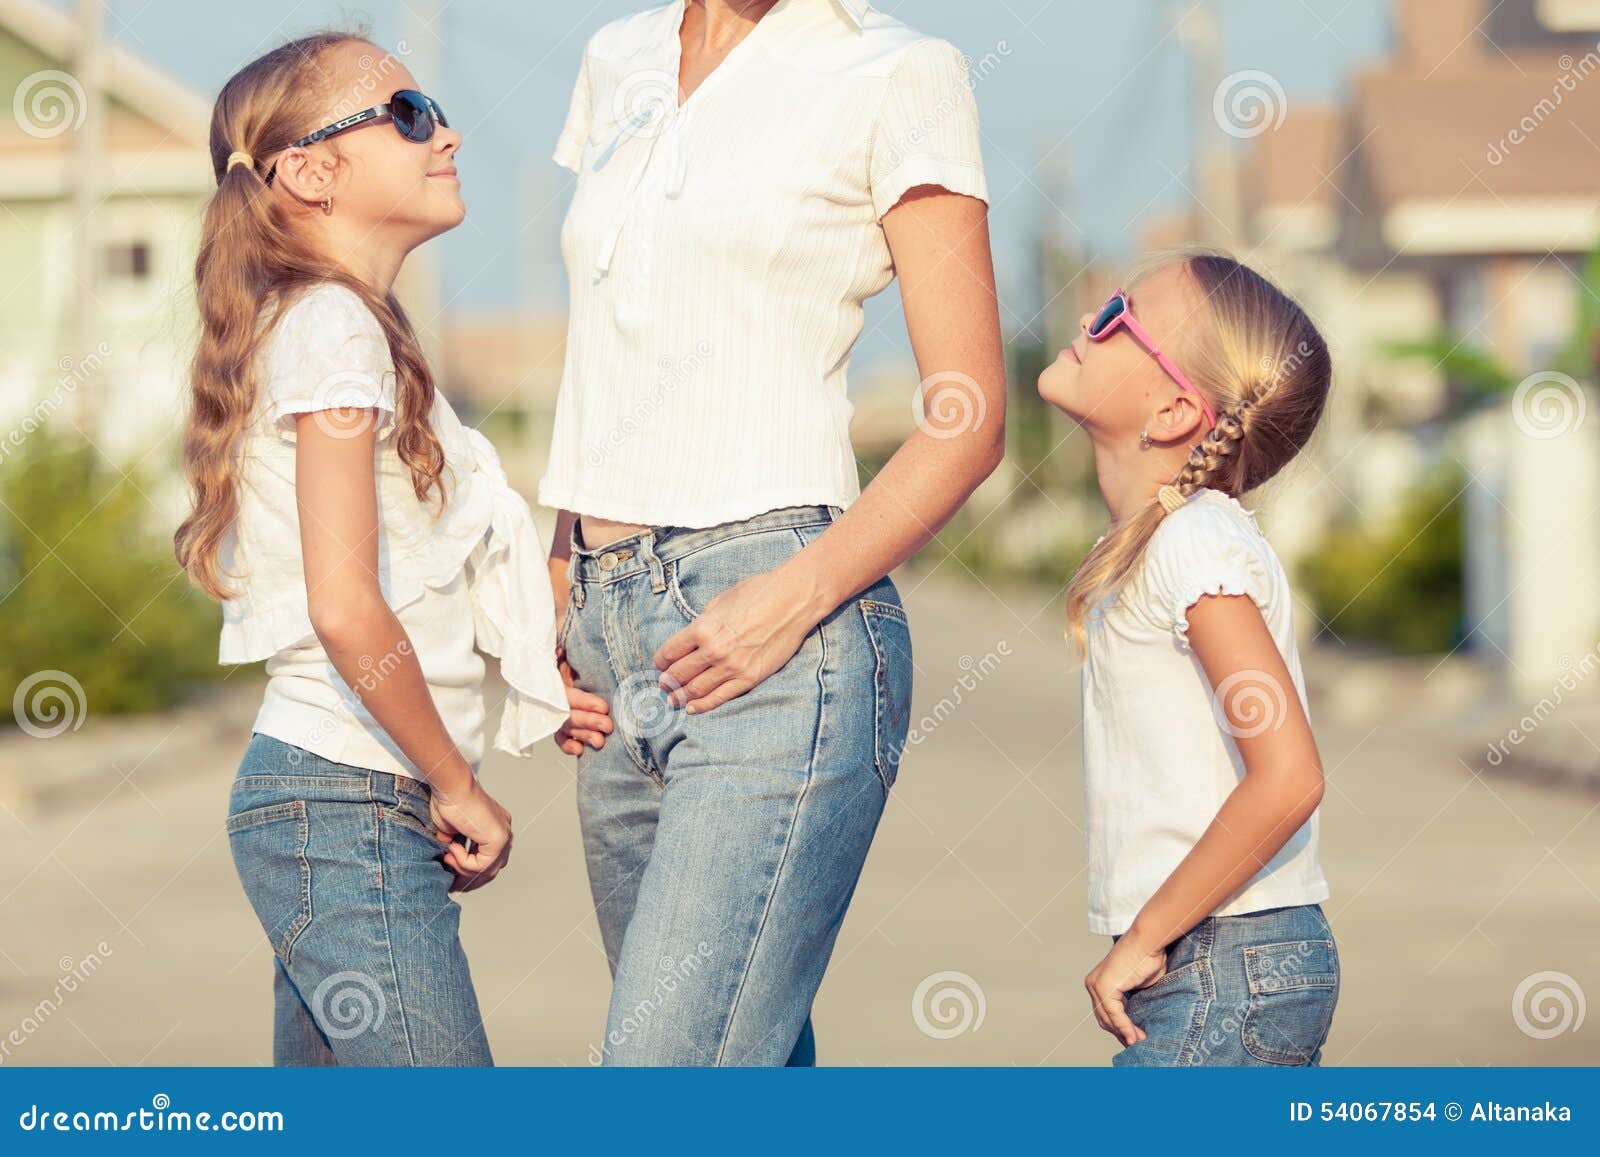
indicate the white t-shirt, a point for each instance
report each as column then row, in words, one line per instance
column 1158, row 763
column 718, row 254
column 469, row 578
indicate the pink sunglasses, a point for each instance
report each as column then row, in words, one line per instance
column 1119, row 311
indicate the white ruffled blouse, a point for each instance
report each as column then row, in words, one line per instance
column 471, row 576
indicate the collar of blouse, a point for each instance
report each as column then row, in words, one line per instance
column 660, row 121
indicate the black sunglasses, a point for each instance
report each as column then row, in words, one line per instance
column 413, row 115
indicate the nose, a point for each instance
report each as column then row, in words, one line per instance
column 446, row 141
column 1084, row 322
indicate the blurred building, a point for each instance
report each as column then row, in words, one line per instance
column 98, row 243
column 1453, row 197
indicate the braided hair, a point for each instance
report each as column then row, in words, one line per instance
column 1261, row 363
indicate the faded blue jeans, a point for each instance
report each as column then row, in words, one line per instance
column 1255, row 989
column 344, row 873
column 723, row 848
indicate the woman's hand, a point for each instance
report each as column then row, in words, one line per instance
column 475, row 814
column 1129, row 966
column 745, row 634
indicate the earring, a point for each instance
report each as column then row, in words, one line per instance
column 327, row 206
column 1144, row 439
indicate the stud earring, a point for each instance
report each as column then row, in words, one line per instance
column 327, row 206
column 1144, row 439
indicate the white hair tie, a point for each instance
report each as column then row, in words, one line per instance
column 240, row 159
column 1170, row 498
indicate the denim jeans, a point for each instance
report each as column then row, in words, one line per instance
column 723, row 847
column 1256, row 989
column 344, row 873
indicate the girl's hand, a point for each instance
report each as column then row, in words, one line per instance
column 745, row 634
column 1129, row 966
column 589, row 718
column 475, row 814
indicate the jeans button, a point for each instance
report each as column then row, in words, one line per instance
column 608, row 560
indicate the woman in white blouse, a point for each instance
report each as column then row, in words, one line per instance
column 749, row 173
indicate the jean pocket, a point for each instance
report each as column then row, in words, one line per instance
column 694, row 579
column 269, row 853
column 890, row 636
column 1294, row 986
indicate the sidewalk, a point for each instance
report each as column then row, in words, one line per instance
column 966, row 943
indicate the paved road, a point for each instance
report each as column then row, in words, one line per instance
column 1450, row 889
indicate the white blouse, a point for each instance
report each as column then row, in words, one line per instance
column 1157, row 763
column 719, row 252
column 468, row 579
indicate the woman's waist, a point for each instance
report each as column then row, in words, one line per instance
column 648, row 547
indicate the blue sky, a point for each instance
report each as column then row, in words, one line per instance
column 1099, row 91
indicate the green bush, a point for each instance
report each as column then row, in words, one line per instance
column 88, row 584
column 1400, row 586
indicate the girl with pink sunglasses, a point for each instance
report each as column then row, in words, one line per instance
column 1202, row 776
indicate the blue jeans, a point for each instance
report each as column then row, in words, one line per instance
column 1256, row 989
column 344, row 873
column 723, row 848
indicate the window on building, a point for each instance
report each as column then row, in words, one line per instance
column 130, row 260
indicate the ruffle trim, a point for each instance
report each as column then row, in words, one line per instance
column 251, row 635
column 491, row 535
column 1229, row 584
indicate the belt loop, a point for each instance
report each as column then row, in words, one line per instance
column 575, row 593
column 647, row 553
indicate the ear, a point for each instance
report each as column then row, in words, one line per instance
column 1180, row 420
column 306, row 174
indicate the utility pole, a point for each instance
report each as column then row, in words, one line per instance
column 89, row 67
column 1213, row 162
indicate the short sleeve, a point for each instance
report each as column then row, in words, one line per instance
column 927, row 128
column 575, row 133
column 1198, row 550
column 328, row 352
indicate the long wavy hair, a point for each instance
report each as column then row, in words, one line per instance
column 253, row 262
column 1266, row 371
